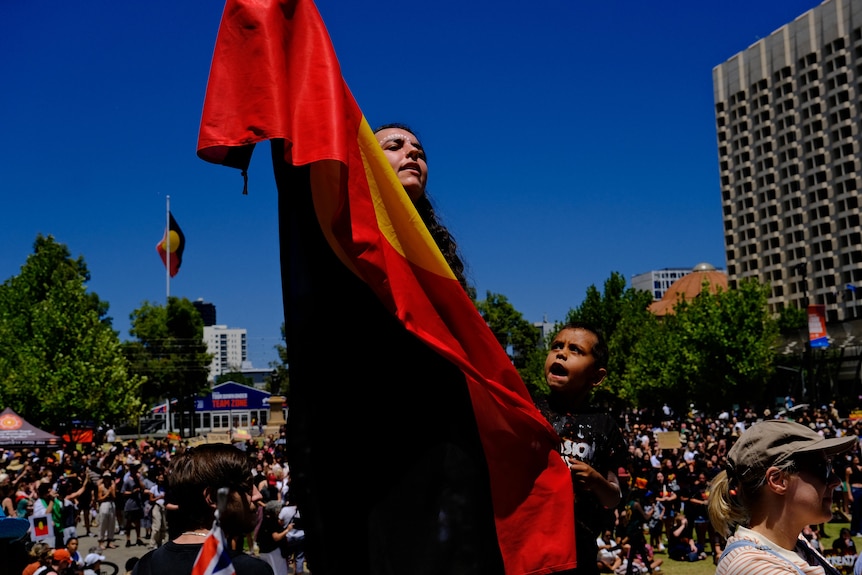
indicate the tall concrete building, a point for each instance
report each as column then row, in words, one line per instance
column 228, row 346
column 788, row 121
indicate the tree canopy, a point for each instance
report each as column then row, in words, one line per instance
column 60, row 359
column 622, row 314
column 234, row 376
column 713, row 350
column 520, row 338
column 278, row 382
column 170, row 351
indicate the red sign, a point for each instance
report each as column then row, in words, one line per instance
column 817, row 336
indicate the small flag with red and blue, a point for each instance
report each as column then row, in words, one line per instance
column 213, row 558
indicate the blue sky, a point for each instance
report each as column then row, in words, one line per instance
column 566, row 140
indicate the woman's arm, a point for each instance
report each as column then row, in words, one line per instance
column 81, row 490
column 277, row 536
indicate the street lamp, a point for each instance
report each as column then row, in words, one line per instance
column 801, row 373
column 802, row 269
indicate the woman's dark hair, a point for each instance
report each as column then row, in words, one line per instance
column 198, row 471
column 441, row 236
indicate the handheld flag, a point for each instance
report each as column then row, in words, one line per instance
column 455, row 468
column 213, row 558
column 41, row 528
column 175, row 242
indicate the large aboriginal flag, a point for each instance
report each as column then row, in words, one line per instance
column 413, row 444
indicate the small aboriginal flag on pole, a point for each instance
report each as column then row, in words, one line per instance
column 171, row 246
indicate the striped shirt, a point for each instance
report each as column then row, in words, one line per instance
column 749, row 560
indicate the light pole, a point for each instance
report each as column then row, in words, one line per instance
column 802, row 269
column 801, row 373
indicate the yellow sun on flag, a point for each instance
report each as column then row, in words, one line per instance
column 175, row 241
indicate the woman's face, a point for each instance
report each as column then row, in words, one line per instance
column 72, row 545
column 407, row 158
column 811, row 490
column 241, row 510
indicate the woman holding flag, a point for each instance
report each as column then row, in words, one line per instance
column 414, row 445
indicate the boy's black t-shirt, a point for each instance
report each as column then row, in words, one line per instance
column 595, row 438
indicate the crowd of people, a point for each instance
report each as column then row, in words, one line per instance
column 117, row 492
column 671, row 488
column 123, row 492
column 644, row 482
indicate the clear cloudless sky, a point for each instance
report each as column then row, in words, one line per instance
column 567, row 139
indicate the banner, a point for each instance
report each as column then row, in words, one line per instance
column 817, row 336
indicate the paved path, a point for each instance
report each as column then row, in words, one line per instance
column 118, row 556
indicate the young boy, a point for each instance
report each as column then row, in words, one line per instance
column 591, row 442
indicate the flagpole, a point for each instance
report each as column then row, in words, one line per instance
column 168, row 282
column 168, row 249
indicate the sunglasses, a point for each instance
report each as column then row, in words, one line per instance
column 820, row 468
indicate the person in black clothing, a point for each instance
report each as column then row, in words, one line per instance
column 681, row 545
column 194, row 478
column 853, row 481
column 844, row 544
column 695, row 498
column 637, row 518
column 592, row 444
column 271, row 538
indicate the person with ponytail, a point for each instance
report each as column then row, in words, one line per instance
column 778, row 479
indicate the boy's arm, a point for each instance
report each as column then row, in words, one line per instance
column 606, row 489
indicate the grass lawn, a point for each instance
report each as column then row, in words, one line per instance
column 671, row 567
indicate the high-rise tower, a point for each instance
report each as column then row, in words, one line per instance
column 788, row 119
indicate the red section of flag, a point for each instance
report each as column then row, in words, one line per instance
column 213, row 558
column 174, row 241
column 275, row 76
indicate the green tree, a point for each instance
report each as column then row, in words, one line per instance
column 792, row 319
column 715, row 350
column 278, row 383
column 60, row 359
column 520, row 338
column 169, row 349
column 234, row 376
column 622, row 314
